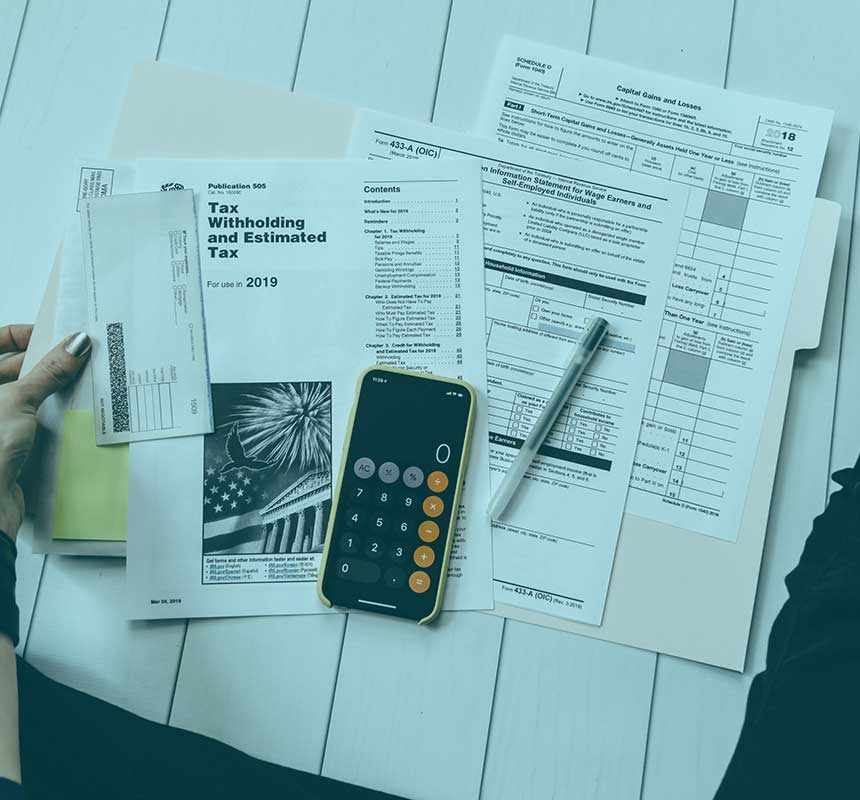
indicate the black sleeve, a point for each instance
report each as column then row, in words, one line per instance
column 800, row 733
column 75, row 747
column 9, row 790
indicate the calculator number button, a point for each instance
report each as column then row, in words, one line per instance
column 357, row 494
column 354, row 518
column 404, row 527
column 383, row 497
column 350, row 543
column 378, row 523
column 419, row 582
column 389, row 472
column 413, row 477
column 375, row 549
column 353, row 569
column 398, row 553
column 364, row 468
column 408, row 502
column 437, row 481
column 428, row 531
column 433, row 506
column 424, row 556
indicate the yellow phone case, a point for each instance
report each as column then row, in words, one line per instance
column 452, row 525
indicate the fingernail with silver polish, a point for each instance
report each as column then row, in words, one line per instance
column 78, row 345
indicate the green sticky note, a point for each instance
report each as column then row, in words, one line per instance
column 92, row 486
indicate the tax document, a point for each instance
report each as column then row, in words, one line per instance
column 562, row 242
column 145, row 312
column 752, row 167
column 312, row 271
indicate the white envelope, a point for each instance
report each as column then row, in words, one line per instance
column 145, row 310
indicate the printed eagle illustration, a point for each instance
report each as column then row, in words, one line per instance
column 237, row 455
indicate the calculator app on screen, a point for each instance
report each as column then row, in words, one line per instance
column 395, row 509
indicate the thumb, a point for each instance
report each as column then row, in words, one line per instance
column 55, row 371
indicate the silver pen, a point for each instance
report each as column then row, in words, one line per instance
column 588, row 344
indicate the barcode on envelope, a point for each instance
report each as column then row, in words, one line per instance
column 118, row 385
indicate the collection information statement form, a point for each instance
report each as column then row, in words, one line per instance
column 752, row 166
column 563, row 242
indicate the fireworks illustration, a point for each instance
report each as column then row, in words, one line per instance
column 287, row 424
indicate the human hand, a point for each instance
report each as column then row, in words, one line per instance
column 20, row 400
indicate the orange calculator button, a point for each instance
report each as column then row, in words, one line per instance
column 428, row 531
column 433, row 506
column 419, row 582
column 424, row 556
column 437, row 481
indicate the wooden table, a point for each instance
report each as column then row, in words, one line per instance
column 483, row 708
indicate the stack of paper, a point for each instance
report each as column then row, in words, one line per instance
column 676, row 211
column 310, row 274
column 751, row 167
column 562, row 241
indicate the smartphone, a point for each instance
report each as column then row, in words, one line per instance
column 394, row 511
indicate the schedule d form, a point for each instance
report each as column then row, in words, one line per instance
column 562, row 242
column 752, row 165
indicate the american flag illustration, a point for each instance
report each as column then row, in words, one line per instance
column 267, row 436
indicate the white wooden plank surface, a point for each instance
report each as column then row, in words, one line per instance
column 412, row 705
column 80, row 637
column 802, row 479
column 690, row 40
column 263, row 685
column 382, row 55
column 813, row 69
column 677, row 37
column 60, row 103
column 697, row 710
column 11, row 16
column 384, row 731
column 29, row 574
column 605, row 689
column 846, row 427
column 474, row 32
column 256, row 41
column 687, row 39
column 695, row 722
column 70, row 71
column 570, row 717
column 29, row 565
column 35, row 157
